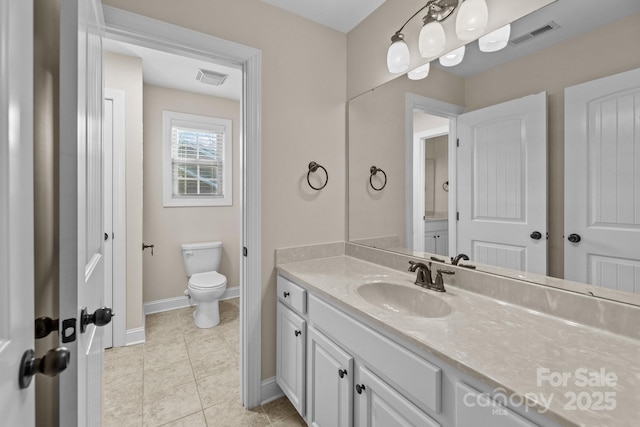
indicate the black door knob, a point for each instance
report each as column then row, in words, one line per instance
column 51, row 364
column 536, row 235
column 100, row 317
column 574, row 238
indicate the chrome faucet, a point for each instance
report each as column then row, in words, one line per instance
column 423, row 276
column 456, row 260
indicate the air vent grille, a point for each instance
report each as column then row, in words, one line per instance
column 534, row 33
column 211, row 77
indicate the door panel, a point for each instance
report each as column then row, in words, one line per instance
column 81, row 222
column 291, row 356
column 602, row 181
column 502, row 184
column 17, row 406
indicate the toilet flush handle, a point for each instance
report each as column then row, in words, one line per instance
column 188, row 254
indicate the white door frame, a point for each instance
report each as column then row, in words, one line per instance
column 419, row 179
column 442, row 109
column 133, row 28
column 119, row 236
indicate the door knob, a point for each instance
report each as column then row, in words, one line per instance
column 100, row 317
column 574, row 238
column 360, row 388
column 51, row 364
column 536, row 235
column 342, row 372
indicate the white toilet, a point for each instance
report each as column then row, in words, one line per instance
column 206, row 285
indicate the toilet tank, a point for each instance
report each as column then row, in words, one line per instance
column 201, row 257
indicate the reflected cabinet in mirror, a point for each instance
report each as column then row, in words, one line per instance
column 527, row 160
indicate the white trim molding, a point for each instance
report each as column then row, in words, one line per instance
column 175, row 303
column 270, row 391
column 135, row 336
column 141, row 30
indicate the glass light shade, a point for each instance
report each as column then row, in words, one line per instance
column 495, row 40
column 432, row 40
column 419, row 73
column 472, row 19
column 452, row 58
column 398, row 57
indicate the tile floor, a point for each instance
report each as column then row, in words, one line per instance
column 184, row 376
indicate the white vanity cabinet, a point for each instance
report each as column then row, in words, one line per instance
column 291, row 343
column 329, row 381
column 436, row 237
column 378, row 404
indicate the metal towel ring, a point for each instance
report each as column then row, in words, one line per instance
column 313, row 166
column 445, row 186
column 374, row 170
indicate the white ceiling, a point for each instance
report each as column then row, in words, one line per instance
column 179, row 72
column 341, row 15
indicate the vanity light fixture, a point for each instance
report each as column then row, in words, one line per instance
column 495, row 40
column 452, row 58
column 420, row 72
column 471, row 22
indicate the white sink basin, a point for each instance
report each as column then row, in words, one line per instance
column 403, row 300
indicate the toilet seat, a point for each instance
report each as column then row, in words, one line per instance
column 208, row 280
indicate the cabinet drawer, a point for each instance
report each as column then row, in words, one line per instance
column 475, row 408
column 292, row 295
column 412, row 376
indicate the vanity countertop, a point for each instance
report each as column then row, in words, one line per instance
column 501, row 344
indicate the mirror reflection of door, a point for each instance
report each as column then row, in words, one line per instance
column 502, row 200
column 431, row 197
column 602, row 182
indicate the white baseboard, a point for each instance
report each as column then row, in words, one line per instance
column 134, row 336
column 182, row 302
column 270, row 391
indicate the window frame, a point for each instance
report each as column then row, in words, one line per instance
column 194, row 121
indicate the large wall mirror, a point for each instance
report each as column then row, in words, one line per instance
column 488, row 158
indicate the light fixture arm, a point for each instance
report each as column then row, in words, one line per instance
column 439, row 10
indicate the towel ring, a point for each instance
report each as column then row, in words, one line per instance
column 313, row 166
column 374, row 170
column 445, row 186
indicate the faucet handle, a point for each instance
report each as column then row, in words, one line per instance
column 439, row 285
column 416, row 265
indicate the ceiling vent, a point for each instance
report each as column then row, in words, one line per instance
column 211, row 77
column 551, row 26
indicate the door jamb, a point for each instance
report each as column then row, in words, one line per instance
column 141, row 30
column 442, row 109
column 119, row 257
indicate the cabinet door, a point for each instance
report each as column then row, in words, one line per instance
column 430, row 242
column 330, row 383
column 442, row 242
column 290, row 356
column 377, row 404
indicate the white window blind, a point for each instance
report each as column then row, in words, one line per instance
column 197, row 160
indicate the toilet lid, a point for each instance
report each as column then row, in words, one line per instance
column 210, row 279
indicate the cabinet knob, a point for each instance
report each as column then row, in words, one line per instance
column 342, row 372
column 360, row 388
column 286, row 294
column 297, row 333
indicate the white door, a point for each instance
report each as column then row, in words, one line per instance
column 330, row 383
column 81, row 225
column 17, row 405
column 107, row 180
column 502, row 184
column 602, row 182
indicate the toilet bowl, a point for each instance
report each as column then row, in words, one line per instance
column 206, row 285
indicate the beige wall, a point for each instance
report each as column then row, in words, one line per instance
column 380, row 142
column 167, row 228
column 367, row 44
column 611, row 49
column 46, row 144
column 303, row 119
column 125, row 73
column 438, row 149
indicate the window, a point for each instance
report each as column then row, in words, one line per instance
column 197, row 160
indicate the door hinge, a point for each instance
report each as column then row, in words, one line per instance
column 244, row 251
column 457, row 216
column 457, row 142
